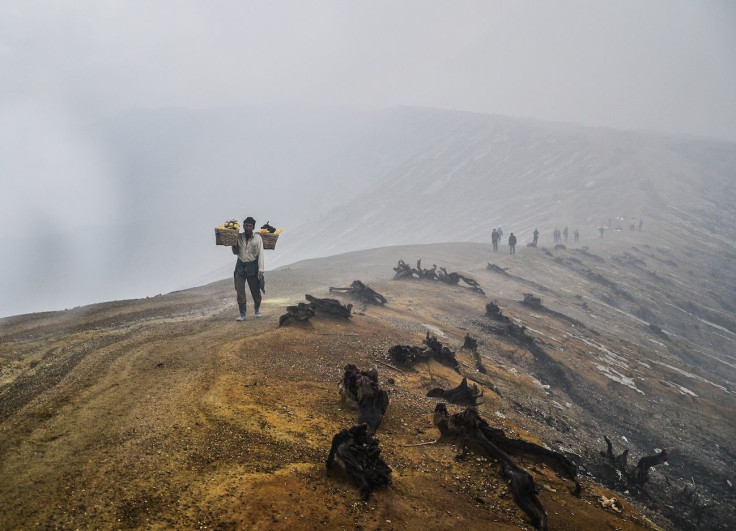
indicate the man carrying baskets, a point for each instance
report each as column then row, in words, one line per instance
column 249, row 267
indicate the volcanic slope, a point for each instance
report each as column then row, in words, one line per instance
column 166, row 413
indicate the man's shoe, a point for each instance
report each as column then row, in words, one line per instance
column 258, row 313
column 241, row 317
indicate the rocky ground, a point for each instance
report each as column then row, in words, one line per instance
column 166, row 413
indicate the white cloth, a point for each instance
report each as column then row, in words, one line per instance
column 251, row 249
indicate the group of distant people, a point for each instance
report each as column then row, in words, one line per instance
column 558, row 234
column 497, row 234
column 632, row 226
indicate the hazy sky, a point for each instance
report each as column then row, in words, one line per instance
column 667, row 65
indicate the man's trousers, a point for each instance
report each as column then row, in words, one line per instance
column 255, row 290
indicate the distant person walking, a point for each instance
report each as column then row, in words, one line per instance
column 536, row 237
column 249, row 267
column 565, row 233
column 641, row 222
column 494, row 239
column 601, row 230
column 577, row 235
column 500, row 234
column 512, row 244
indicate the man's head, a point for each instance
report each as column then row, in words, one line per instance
column 248, row 225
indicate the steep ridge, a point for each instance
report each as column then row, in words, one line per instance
column 165, row 412
column 476, row 172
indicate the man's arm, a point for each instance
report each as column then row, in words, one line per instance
column 236, row 249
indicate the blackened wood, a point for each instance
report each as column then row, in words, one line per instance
column 356, row 453
column 330, row 306
column 362, row 389
column 468, row 426
column 363, row 292
column 462, row 394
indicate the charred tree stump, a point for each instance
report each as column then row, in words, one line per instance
column 441, row 353
column 468, row 427
column 636, row 477
column 618, row 462
column 494, row 312
column 330, row 306
column 363, row 293
column 361, row 389
column 302, row 312
column 641, row 472
column 407, row 356
column 356, row 453
column 463, row 394
column 470, row 343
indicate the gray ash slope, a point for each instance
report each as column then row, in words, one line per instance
column 635, row 342
column 460, row 174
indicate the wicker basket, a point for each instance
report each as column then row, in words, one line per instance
column 269, row 240
column 226, row 237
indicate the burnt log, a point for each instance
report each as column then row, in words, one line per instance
column 462, row 394
column 497, row 269
column 361, row 389
column 403, row 270
column 355, row 451
column 557, row 461
column 408, row 356
column 363, row 293
column 468, row 427
column 448, row 278
column 330, row 306
column 472, row 283
column 302, row 312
